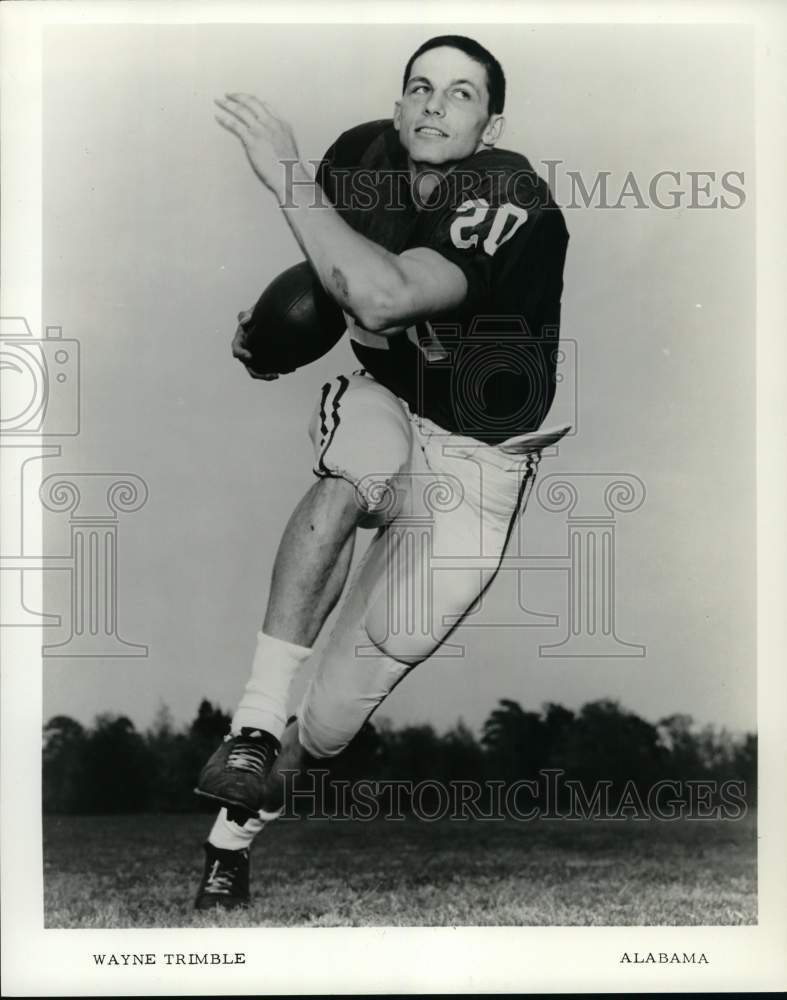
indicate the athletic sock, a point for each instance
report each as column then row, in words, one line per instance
column 264, row 701
column 232, row 836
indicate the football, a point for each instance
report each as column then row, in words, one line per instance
column 294, row 322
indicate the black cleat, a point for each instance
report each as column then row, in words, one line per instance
column 225, row 880
column 235, row 775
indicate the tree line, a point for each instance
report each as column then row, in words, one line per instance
column 111, row 767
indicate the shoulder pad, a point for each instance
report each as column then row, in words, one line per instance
column 370, row 144
column 500, row 175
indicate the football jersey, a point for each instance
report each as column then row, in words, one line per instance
column 487, row 368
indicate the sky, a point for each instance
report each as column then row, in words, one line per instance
column 156, row 233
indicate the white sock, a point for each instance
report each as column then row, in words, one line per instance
column 232, row 836
column 264, row 701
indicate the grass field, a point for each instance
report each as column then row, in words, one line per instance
column 142, row 871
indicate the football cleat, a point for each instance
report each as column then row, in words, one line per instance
column 235, row 774
column 225, row 880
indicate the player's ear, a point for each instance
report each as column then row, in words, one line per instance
column 397, row 114
column 494, row 129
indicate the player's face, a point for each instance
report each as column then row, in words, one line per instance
column 442, row 115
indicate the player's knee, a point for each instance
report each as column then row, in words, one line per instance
column 365, row 439
column 376, row 447
column 405, row 645
column 320, row 738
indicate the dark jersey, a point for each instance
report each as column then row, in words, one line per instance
column 487, row 368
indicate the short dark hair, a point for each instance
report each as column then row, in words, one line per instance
column 495, row 78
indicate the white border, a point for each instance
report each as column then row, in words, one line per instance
column 37, row 962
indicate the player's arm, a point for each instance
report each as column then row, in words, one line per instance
column 381, row 290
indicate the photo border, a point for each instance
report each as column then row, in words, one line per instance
column 403, row 960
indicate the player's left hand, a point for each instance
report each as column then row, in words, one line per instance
column 268, row 140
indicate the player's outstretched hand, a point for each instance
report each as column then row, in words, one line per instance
column 268, row 140
column 241, row 351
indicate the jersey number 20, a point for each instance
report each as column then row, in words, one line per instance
column 508, row 219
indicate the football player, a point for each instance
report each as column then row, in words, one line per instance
column 446, row 255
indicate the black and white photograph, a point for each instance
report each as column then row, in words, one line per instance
column 392, row 507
